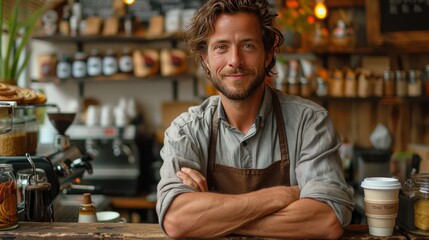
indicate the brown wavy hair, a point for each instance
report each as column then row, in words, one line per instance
column 201, row 26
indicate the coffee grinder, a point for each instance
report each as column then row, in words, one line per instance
column 68, row 160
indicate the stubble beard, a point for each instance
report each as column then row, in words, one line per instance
column 240, row 91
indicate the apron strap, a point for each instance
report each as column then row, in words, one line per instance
column 213, row 139
column 280, row 126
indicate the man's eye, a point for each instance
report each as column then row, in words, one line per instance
column 220, row 47
column 249, row 46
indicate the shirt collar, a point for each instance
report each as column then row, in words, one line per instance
column 264, row 111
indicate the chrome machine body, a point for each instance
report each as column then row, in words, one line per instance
column 116, row 158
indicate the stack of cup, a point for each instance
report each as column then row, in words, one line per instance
column 93, row 115
column 381, row 204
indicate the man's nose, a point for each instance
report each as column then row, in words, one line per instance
column 235, row 58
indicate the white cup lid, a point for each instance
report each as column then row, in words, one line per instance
column 381, row 183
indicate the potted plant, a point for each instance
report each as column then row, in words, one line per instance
column 295, row 20
column 15, row 33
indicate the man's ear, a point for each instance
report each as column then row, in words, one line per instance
column 204, row 57
column 269, row 58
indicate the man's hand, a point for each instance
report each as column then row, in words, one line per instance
column 193, row 178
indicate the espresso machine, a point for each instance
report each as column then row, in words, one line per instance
column 116, row 160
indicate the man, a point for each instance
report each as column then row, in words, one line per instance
column 250, row 161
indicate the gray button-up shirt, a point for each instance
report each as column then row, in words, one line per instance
column 312, row 143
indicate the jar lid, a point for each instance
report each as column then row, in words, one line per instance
column 6, row 166
column 381, row 183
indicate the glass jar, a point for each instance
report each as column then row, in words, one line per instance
column 336, row 84
column 414, row 87
column 110, row 63
column 364, row 84
column 421, row 205
column 350, row 84
column 401, row 83
column 79, row 65
column 64, row 68
column 126, row 61
column 8, row 202
column 292, row 78
column 32, row 133
column 14, row 143
column 322, row 87
column 94, row 64
column 23, row 180
column 389, row 84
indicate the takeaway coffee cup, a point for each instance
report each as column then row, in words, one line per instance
column 110, row 217
column 381, row 204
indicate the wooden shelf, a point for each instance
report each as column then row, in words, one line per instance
column 114, row 78
column 111, row 39
column 382, row 100
column 384, row 49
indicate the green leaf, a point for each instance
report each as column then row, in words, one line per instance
column 28, row 25
column 19, row 33
column 12, row 27
column 24, row 64
column 1, row 38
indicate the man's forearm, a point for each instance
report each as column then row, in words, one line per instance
column 203, row 214
column 305, row 218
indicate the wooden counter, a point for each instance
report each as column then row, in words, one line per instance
column 83, row 231
column 87, row 231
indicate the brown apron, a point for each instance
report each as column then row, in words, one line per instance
column 229, row 180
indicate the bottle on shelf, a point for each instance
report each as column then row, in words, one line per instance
column 389, row 83
column 64, row 67
column 64, row 25
column 364, row 87
column 336, row 84
column 322, row 87
column 292, row 79
column 414, row 86
column 350, row 83
column 76, row 18
column 126, row 61
column 94, row 64
column 401, row 83
column 79, row 65
column 110, row 63
column 87, row 211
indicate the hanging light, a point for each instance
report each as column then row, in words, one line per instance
column 320, row 9
column 129, row 2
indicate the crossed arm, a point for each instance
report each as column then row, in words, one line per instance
column 270, row 212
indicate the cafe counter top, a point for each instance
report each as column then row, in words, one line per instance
column 87, row 231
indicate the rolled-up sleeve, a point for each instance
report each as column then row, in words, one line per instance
column 319, row 169
column 183, row 147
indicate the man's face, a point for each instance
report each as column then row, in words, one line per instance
column 235, row 55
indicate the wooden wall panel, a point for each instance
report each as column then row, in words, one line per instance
column 355, row 121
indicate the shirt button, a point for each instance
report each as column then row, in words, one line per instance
column 244, row 144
